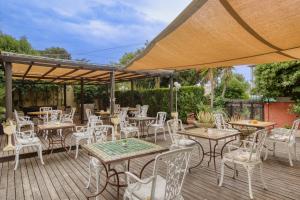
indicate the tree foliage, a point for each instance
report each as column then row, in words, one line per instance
column 9, row 43
column 56, row 52
column 278, row 79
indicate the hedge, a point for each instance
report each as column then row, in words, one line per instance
column 189, row 98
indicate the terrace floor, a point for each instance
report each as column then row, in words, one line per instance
column 63, row 177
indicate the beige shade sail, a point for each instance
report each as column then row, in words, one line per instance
column 220, row 33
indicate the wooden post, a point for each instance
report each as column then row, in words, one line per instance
column 65, row 96
column 171, row 105
column 8, row 90
column 112, row 92
column 132, row 94
column 81, row 101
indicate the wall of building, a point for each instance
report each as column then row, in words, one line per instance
column 279, row 112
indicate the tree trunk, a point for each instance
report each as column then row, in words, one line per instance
column 212, row 87
column 224, row 89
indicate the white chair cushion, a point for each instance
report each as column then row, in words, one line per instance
column 279, row 137
column 81, row 134
column 156, row 125
column 144, row 191
column 131, row 129
column 280, row 131
column 239, row 155
column 186, row 142
column 32, row 140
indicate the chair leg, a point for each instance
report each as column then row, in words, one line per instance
column 40, row 153
column 77, row 149
column 155, row 135
column 138, row 133
column 249, row 172
column 90, row 175
column 274, row 147
column 164, row 133
column 97, row 180
column 17, row 158
column 70, row 143
column 222, row 173
column 295, row 151
column 262, row 176
column 290, row 155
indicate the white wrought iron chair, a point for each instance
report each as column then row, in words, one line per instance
column 84, row 133
column 101, row 135
column 144, row 110
column 88, row 113
column 221, row 124
column 69, row 117
column 52, row 117
column 248, row 156
column 178, row 141
column 286, row 137
column 158, row 124
column 127, row 128
column 25, row 139
column 137, row 113
column 22, row 120
column 44, row 109
column 164, row 185
column 117, row 108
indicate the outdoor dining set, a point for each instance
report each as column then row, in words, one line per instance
column 112, row 144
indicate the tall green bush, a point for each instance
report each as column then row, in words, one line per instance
column 189, row 99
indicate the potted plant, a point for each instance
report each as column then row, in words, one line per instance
column 205, row 119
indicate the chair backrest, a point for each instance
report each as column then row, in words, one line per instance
column 123, row 115
column 101, row 133
column 44, row 109
column 161, row 118
column 174, row 165
column 94, row 120
column 17, row 116
column 117, row 108
column 293, row 130
column 258, row 142
column 21, row 135
column 72, row 113
column 138, row 107
column 88, row 113
column 219, row 120
column 144, row 110
column 174, row 125
column 53, row 116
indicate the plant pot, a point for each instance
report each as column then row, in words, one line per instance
column 204, row 125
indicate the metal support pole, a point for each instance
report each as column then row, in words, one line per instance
column 171, row 83
column 8, row 90
column 81, row 101
column 112, row 92
column 65, row 95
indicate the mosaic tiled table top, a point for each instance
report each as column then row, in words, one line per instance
column 124, row 149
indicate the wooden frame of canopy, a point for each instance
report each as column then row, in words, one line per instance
column 59, row 71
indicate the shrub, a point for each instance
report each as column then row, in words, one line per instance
column 189, row 99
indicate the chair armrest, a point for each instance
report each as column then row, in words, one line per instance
column 131, row 178
column 80, row 128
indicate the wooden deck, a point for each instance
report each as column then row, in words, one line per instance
column 63, row 177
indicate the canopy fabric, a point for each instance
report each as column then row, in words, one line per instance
column 220, row 33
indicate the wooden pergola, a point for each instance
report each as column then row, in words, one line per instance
column 67, row 72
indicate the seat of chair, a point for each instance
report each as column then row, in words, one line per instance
column 131, row 128
column 33, row 140
column 81, row 134
column 279, row 137
column 186, row 142
column 156, row 125
column 280, row 131
column 239, row 155
column 144, row 191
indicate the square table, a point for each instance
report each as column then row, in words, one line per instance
column 52, row 126
column 253, row 123
column 211, row 135
column 142, row 122
column 121, row 150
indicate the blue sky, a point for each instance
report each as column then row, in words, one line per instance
column 98, row 30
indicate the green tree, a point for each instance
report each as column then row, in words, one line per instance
column 56, row 52
column 11, row 44
column 278, row 79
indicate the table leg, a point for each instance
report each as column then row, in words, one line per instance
column 214, row 155
column 210, row 151
column 200, row 159
column 144, row 167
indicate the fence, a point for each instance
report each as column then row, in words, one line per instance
column 246, row 109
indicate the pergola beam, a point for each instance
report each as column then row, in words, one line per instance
column 27, row 71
